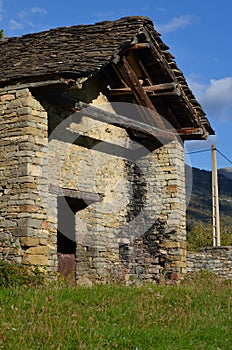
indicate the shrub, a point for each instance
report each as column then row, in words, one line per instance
column 14, row 275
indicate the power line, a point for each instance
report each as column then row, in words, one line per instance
column 200, row 151
column 228, row 160
column 209, row 149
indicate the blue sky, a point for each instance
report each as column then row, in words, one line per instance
column 197, row 32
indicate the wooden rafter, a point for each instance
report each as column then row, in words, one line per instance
column 174, row 74
column 154, row 90
column 133, row 82
column 120, row 76
column 190, row 131
column 145, row 72
column 175, row 120
column 138, row 46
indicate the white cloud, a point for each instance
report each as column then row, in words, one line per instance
column 39, row 10
column 24, row 18
column 14, row 25
column 216, row 97
column 175, row 24
column 22, row 15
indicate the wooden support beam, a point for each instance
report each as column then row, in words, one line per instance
column 123, row 122
column 120, row 91
column 37, row 84
column 161, row 87
column 66, row 192
column 119, row 75
column 139, row 46
column 145, row 72
column 134, row 84
column 173, row 118
column 84, row 109
column 175, row 92
column 154, row 90
column 189, row 131
column 141, row 96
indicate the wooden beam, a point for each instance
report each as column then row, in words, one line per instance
column 141, row 96
column 167, row 70
column 138, row 46
column 175, row 92
column 66, row 192
column 133, row 82
column 172, row 117
column 119, row 75
column 95, row 113
column 154, row 90
column 144, row 70
column 120, row 91
column 36, row 84
column 122, row 122
column 161, row 87
column 190, row 131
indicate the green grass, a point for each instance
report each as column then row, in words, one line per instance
column 194, row 315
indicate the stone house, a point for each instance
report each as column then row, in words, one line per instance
column 93, row 120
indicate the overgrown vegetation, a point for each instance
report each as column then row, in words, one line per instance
column 200, row 233
column 199, row 212
column 197, row 314
column 15, row 275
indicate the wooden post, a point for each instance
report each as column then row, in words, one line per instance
column 215, row 200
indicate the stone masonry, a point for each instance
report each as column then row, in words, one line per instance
column 92, row 181
column 143, row 206
column 23, row 225
column 214, row 259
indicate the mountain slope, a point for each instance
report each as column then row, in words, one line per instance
column 199, row 210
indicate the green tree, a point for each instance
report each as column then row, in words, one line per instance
column 1, row 34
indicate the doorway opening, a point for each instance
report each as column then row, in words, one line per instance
column 66, row 236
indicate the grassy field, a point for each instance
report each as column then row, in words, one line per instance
column 197, row 314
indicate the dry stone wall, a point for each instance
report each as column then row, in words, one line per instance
column 215, row 259
column 23, row 225
column 159, row 249
column 137, row 231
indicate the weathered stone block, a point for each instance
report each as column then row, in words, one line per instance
column 29, row 241
column 7, row 97
column 29, row 259
column 39, row 250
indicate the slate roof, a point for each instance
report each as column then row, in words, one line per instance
column 80, row 51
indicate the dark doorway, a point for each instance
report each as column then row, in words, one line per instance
column 66, row 236
column 66, row 241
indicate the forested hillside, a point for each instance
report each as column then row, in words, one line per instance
column 199, row 211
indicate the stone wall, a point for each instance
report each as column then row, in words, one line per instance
column 137, row 231
column 158, row 246
column 215, row 259
column 23, row 226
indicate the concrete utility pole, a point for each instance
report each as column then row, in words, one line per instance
column 215, row 201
